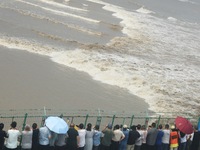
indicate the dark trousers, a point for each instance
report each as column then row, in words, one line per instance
column 103, row 147
column 95, row 148
column 35, row 147
column 144, row 146
column 60, row 147
column 159, row 147
column 43, row 147
column 81, row 148
column 137, row 147
column 72, row 147
column 165, row 146
column 114, row 145
column 151, row 147
column 10, row 148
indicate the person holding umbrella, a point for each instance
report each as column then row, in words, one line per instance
column 44, row 136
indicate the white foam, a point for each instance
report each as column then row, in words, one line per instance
column 53, row 3
column 57, row 12
column 172, row 19
column 144, row 11
column 187, row 1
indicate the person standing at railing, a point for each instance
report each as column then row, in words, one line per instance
column 132, row 137
column 123, row 143
column 13, row 136
column 144, row 145
column 138, row 143
column 35, row 137
column 82, row 133
column 3, row 135
column 89, row 137
column 44, row 136
column 151, row 137
column 73, row 138
column 27, row 138
column 108, row 134
column 159, row 138
column 165, row 138
column 117, row 138
column 174, row 138
column 97, row 138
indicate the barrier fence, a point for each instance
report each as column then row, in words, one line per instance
column 100, row 117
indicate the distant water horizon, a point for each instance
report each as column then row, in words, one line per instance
column 148, row 47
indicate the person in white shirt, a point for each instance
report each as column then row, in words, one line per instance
column 139, row 141
column 183, row 141
column 81, row 133
column 13, row 135
column 166, row 137
column 118, row 136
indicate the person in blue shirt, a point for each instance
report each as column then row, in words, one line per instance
column 97, row 138
column 123, row 143
column 159, row 138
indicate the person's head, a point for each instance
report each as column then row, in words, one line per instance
column 116, row 127
column 153, row 125
column 133, row 127
column 27, row 128
column 125, row 127
column 160, row 126
column 109, row 126
column 173, row 128
column 138, row 126
column 13, row 124
column 96, row 127
column 167, row 126
column 72, row 125
column 143, row 127
column 1, row 126
column 34, row 126
column 89, row 127
column 81, row 126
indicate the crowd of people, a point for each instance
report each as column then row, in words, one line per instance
column 119, row 137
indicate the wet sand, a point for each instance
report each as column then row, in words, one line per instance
column 31, row 81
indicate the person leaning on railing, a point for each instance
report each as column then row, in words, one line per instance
column 13, row 135
column 3, row 135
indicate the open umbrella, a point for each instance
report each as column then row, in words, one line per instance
column 57, row 125
column 183, row 125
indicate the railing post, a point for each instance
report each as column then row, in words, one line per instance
column 123, row 120
column 86, row 118
column 146, row 122
column 98, row 122
column 24, row 123
column 13, row 118
column 158, row 121
column 23, row 127
column 131, row 120
column 113, row 119
column 61, row 116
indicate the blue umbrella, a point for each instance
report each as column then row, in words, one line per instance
column 57, row 125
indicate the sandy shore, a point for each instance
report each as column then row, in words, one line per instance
column 33, row 81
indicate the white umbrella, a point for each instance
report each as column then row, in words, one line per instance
column 57, row 125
